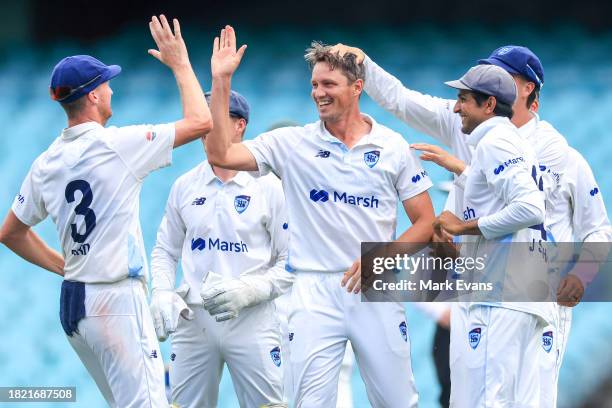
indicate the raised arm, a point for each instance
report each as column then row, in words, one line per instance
column 220, row 149
column 427, row 114
column 172, row 51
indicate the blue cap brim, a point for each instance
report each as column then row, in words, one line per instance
column 499, row 63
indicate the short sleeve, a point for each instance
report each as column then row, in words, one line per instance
column 412, row 179
column 143, row 148
column 28, row 205
column 271, row 149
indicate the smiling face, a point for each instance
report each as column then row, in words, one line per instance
column 471, row 113
column 333, row 93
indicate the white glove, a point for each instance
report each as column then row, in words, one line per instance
column 166, row 308
column 224, row 299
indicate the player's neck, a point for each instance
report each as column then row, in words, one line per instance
column 224, row 175
column 349, row 129
column 521, row 117
column 84, row 118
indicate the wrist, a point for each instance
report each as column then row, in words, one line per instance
column 182, row 67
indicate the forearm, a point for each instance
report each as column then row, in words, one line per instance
column 163, row 269
column 275, row 281
column 197, row 119
column 514, row 217
column 33, row 249
column 219, row 141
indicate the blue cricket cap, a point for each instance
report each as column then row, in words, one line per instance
column 518, row 60
column 238, row 105
column 78, row 75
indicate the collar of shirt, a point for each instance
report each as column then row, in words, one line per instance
column 528, row 129
column 373, row 138
column 482, row 129
column 241, row 178
column 78, row 130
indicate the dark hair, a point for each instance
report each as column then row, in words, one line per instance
column 73, row 108
column 501, row 108
column 319, row 52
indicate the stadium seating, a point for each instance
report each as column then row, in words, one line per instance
column 577, row 99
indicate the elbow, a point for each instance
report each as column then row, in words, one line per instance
column 204, row 125
column 215, row 159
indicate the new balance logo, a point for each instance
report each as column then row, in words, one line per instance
column 199, row 201
column 594, row 191
column 20, row 198
column 324, row 154
column 319, row 195
column 153, row 354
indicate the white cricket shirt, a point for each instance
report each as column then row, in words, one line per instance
column 233, row 228
column 426, row 114
column 338, row 197
column 89, row 182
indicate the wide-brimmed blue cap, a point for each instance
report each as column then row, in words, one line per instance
column 78, row 75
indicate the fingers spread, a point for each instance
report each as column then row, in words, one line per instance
column 177, row 28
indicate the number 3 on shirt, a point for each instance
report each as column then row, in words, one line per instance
column 82, row 208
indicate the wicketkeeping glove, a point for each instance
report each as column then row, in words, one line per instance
column 166, row 308
column 224, row 299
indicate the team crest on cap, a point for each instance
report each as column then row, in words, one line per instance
column 547, row 341
column 504, row 50
column 474, row 337
column 371, row 158
column 404, row 331
column 241, row 203
column 276, row 356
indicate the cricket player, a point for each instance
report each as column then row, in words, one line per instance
column 342, row 177
column 504, row 205
column 431, row 116
column 89, row 182
column 230, row 231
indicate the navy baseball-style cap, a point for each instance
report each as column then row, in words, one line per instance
column 78, row 75
column 518, row 60
column 238, row 105
column 489, row 80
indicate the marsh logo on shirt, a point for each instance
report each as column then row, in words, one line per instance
column 547, row 341
column 419, row 176
column 474, row 337
column 241, row 203
column 507, row 164
column 344, row 198
column 276, row 356
column 594, row 192
column 403, row 331
column 371, row 158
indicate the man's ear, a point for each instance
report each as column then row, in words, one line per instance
column 491, row 104
column 358, row 87
column 93, row 97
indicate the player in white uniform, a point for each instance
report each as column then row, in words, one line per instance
column 503, row 203
column 230, row 231
column 432, row 116
column 342, row 177
column 89, row 182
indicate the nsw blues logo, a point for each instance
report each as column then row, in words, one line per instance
column 547, row 341
column 241, row 203
column 474, row 337
column 403, row 331
column 276, row 356
column 371, row 158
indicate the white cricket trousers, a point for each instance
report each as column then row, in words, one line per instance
column 552, row 356
column 118, row 346
column 250, row 344
column 323, row 317
column 495, row 357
